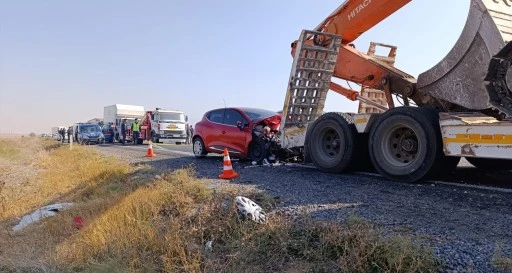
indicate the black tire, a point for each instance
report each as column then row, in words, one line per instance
column 257, row 150
column 361, row 161
column 490, row 164
column 198, row 148
column 330, row 143
column 405, row 145
column 140, row 141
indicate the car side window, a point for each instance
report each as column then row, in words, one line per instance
column 216, row 116
column 231, row 117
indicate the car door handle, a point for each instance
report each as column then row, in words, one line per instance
column 223, row 132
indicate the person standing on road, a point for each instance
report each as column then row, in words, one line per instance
column 69, row 134
column 63, row 134
column 135, row 131
column 191, row 132
column 123, row 131
column 188, row 134
column 111, row 131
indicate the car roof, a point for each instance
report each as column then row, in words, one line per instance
column 242, row 108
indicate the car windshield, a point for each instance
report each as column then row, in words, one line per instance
column 257, row 114
column 90, row 129
column 172, row 117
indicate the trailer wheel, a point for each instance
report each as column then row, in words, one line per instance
column 405, row 144
column 491, row 164
column 330, row 143
column 198, row 148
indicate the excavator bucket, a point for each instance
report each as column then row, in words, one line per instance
column 465, row 75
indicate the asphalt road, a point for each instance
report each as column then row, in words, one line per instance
column 465, row 175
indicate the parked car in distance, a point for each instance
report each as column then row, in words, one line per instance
column 234, row 128
column 87, row 133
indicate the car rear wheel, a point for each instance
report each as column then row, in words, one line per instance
column 199, row 148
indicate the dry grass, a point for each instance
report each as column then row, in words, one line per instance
column 65, row 175
column 8, row 149
column 162, row 226
column 44, row 174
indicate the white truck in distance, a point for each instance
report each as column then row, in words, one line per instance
column 116, row 113
column 166, row 126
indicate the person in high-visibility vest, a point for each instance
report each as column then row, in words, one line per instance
column 135, row 130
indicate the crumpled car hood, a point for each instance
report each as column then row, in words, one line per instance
column 273, row 122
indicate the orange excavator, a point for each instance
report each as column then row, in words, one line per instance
column 461, row 107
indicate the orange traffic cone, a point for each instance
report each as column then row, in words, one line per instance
column 150, row 150
column 228, row 172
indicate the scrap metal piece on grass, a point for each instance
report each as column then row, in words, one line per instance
column 39, row 214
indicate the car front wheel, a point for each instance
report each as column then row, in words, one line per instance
column 198, row 148
column 257, row 150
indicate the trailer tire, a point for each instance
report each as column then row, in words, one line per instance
column 405, row 144
column 491, row 164
column 198, row 148
column 331, row 142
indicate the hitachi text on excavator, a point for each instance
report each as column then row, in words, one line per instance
column 461, row 107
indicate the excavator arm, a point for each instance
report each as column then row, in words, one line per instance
column 487, row 31
column 355, row 17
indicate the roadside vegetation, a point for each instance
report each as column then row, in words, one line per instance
column 137, row 221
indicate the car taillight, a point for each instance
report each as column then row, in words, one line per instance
column 158, row 126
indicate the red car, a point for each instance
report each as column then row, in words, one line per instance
column 235, row 128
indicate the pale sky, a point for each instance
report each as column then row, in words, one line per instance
column 62, row 61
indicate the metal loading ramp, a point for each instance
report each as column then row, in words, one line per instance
column 308, row 85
